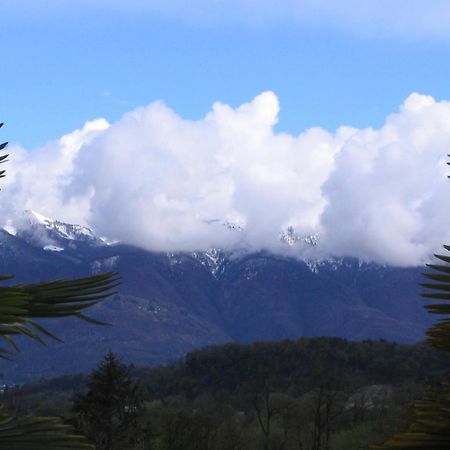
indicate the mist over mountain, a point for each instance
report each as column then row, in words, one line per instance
column 160, row 182
column 172, row 302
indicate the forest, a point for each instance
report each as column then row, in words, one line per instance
column 308, row 394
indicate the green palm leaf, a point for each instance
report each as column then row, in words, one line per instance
column 430, row 428
column 38, row 433
column 21, row 304
column 439, row 289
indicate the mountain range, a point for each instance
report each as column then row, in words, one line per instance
column 170, row 303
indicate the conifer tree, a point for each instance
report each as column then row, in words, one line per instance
column 110, row 413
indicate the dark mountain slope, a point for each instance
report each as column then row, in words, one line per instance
column 169, row 304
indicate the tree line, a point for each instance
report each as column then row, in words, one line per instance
column 308, row 394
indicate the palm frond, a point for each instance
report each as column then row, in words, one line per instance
column 38, row 433
column 20, row 305
column 438, row 288
column 429, row 429
column 3, row 157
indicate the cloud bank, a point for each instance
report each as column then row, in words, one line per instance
column 229, row 180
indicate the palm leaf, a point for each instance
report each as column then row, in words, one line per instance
column 430, row 428
column 38, row 433
column 439, row 289
column 3, row 157
column 21, row 304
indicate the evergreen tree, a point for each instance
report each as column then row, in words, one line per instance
column 110, row 413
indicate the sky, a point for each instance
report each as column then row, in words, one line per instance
column 328, row 116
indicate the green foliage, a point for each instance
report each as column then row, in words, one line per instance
column 294, row 366
column 38, row 433
column 430, row 428
column 210, row 400
column 111, row 410
column 21, row 304
column 439, row 334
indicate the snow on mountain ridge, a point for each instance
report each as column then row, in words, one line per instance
column 10, row 228
column 49, row 234
column 213, row 259
column 66, row 230
column 56, row 236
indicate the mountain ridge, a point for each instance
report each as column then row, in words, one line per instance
column 170, row 303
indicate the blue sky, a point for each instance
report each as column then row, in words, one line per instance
column 63, row 64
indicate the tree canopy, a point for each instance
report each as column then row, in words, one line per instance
column 109, row 412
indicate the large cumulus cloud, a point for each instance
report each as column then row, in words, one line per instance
column 229, row 180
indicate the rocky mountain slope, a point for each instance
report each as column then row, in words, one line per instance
column 171, row 303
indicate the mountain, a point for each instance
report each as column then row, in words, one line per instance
column 170, row 303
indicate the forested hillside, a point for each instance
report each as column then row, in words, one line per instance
column 309, row 394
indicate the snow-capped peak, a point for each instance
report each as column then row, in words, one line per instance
column 47, row 233
column 35, row 216
column 10, row 228
column 65, row 230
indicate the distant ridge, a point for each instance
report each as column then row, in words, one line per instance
column 170, row 303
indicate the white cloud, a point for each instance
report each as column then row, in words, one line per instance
column 156, row 180
column 391, row 186
column 378, row 18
